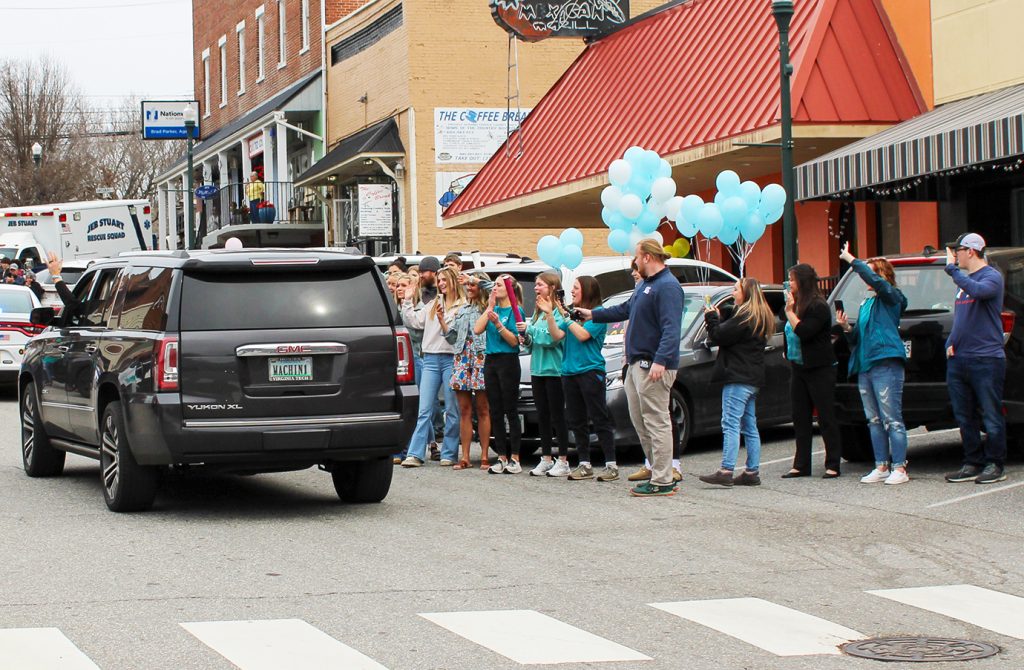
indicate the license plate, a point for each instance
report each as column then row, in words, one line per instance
column 906, row 347
column 291, row 369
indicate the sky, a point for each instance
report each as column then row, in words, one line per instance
column 111, row 48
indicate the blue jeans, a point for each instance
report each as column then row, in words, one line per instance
column 976, row 391
column 739, row 416
column 437, row 376
column 881, row 391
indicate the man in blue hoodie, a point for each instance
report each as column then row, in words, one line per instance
column 975, row 360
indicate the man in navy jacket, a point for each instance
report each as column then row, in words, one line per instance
column 655, row 312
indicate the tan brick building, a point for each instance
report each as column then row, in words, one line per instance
column 416, row 100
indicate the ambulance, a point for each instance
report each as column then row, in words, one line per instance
column 75, row 230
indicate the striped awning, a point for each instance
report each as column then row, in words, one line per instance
column 985, row 128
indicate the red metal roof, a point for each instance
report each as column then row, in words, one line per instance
column 699, row 72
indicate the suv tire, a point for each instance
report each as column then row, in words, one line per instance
column 856, row 441
column 38, row 456
column 679, row 413
column 127, row 486
column 363, row 481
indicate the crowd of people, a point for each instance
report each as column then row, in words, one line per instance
column 11, row 273
column 468, row 329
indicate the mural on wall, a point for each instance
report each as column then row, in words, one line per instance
column 535, row 20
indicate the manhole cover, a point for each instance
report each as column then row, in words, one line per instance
column 919, row 649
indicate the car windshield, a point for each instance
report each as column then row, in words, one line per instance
column 69, row 275
column 15, row 302
column 8, row 252
column 927, row 287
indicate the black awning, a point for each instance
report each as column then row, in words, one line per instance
column 380, row 139
column 982, row 129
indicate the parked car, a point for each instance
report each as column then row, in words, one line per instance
column 470, row 259
column 16, row 304
column 70, row 273
column 925, row 325
column 249, row 361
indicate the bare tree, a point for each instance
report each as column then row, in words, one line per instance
column 39, row 104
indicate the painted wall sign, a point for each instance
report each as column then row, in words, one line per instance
column 255, row 145
column 449, row 185
column 535, row 20
column 471, row 135
column 376, row 215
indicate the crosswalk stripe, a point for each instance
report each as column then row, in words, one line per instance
column 780, row 630
column 41, row 649
column 278, row 644
column 527, row 636
column 993, row 610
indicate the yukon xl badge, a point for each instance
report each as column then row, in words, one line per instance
column 213, row 407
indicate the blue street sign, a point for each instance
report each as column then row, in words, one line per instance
column 206, row 191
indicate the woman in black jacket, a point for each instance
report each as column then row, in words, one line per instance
column 741, row 341
column 813, row 385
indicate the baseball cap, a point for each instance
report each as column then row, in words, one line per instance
column 430, row 264
column 969, row 240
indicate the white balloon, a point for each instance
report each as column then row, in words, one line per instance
column 672, row 206
column 656, row 236
column 663, row 189
column 611, row 196
column 634, row 237
column 233, row 243
column 630, row 206
column 620, row 172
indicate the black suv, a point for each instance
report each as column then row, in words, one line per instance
column 924, row 328
column 233, row 361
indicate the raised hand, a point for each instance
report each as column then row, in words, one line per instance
column 54, row 264
column 845, row 255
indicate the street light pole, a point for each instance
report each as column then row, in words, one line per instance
column 37, row 154
column 782, row 10
column 37, row 159
column 190, row 127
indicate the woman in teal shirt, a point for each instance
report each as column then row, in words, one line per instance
column 583, row 382
column 546, row 374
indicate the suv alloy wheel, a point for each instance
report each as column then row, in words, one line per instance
column 127, row 486
column 679, row 413
column 37, row 454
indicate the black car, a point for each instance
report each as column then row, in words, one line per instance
column 233, row 361
column 924, row 327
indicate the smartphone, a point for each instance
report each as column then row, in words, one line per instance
column 839, row 306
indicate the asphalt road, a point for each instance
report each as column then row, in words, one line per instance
column 117, row 589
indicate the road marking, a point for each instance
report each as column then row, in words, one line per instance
column 41, row 649
column 994, row 610
column 278, row 644
column 975, row 495
column 788, row 458
column 527, row 636
column 780, row 630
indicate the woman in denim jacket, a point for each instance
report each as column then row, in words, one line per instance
column 468, row 373
column 877, row 357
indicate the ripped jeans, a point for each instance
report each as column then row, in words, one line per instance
column 881, row 391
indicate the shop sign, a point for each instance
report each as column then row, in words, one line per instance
column 535, row 20
column 165, row 119
column 255, row 145
column 472, row 134
column 376, row 217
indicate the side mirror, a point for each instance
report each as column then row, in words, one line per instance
column 42, row 316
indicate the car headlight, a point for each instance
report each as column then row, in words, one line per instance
column 614, row 381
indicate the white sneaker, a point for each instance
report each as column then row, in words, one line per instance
column 897, row 477
column 560, row 469
column 497, row 468
column 513, row 468
column 875, row 476
column 542, row 468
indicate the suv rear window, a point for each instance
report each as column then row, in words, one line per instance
column 928, row 289
column 146, row 293
column 255, row 301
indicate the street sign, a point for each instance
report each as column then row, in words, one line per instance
column 165, row 119
column 104, row 190
column 206, row 191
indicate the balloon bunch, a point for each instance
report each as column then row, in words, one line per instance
column 638, row 199
column 564, row 250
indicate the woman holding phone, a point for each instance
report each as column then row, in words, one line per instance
column 435, row 319
column 501, row 372
column 546, row 374
column 468, row 369
column 813, row 383
column 877, row 357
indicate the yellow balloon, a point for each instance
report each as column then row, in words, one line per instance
column 681, row 247
column 671, row 251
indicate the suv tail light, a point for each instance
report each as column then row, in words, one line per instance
column 406, row 373
column 167, row 364
column 28, row 329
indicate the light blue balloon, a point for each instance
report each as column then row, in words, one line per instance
column 619, row 222
column 606, row 216
column 720, row 198
column 640, row 185
column 652, row 162
column 571, row 237
column 549, row 249
column 734, row 211
column 691, row 207
column 752, row 228
column 751, row 194
column 685, row 227
column 665, row 169
column 618, row 241
column 709, row 221
column 648, row 221
column 571, row 256
column 728, row 235
column 728, row 182
column 634, row 154
column 773, row 197
column 770, row 216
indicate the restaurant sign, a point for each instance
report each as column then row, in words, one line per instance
column 535, row 20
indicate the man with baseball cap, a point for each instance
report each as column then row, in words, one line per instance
column 975, row 360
